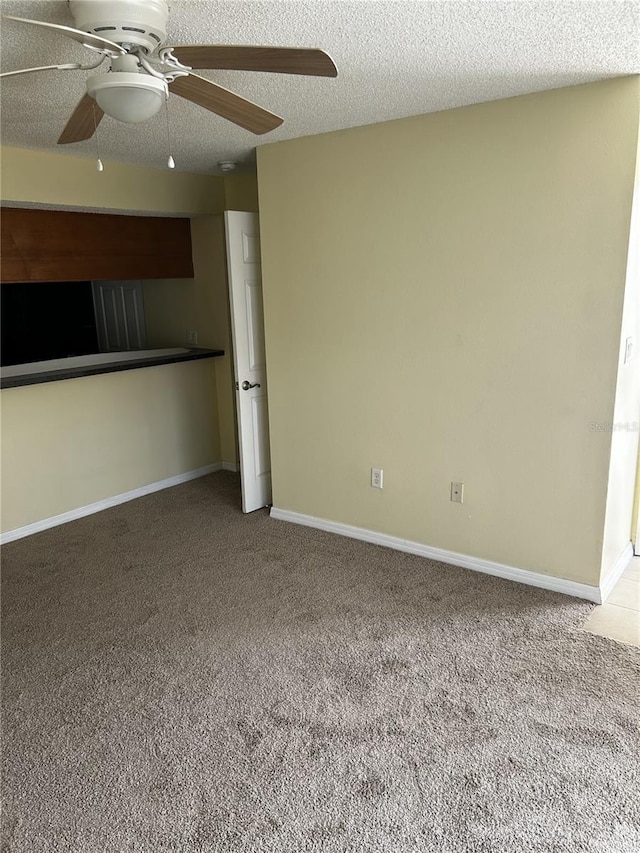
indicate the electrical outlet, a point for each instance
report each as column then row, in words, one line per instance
column 457, row 492
column 192, row 338
column 376, row 478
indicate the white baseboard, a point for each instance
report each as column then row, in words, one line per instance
column 229, row 466
column 477, row 564
column 612, row 577
column 98, row 506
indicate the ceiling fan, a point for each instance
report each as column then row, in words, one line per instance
column 131, row 35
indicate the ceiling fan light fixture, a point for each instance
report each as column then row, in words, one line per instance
column 128, row 97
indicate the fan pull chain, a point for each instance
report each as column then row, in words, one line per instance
column 95, row 136
column 171, row 163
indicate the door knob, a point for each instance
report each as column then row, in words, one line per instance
column 246, row 385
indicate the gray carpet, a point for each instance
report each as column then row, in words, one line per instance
column 179, row 677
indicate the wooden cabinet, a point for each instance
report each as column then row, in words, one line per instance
column 53, row 245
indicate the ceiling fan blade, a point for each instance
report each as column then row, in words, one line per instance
column 225, row 103
column 83, row 122
column 87, row 39
column 279, row 60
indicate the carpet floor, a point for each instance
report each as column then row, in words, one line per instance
column 180, row 677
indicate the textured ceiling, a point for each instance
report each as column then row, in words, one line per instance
column 394, row 59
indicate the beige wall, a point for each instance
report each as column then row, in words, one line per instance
column 64, row 180
column 241, row 192
column 443, row 299
column 174, row 305
column 68, row 444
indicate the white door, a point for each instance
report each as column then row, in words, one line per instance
column 247, row 327
column 119, row 310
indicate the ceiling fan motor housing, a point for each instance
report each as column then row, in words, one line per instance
column 133, row 22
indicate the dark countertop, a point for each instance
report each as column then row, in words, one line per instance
column 112, row 367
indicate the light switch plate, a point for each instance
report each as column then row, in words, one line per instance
column 628, row 350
